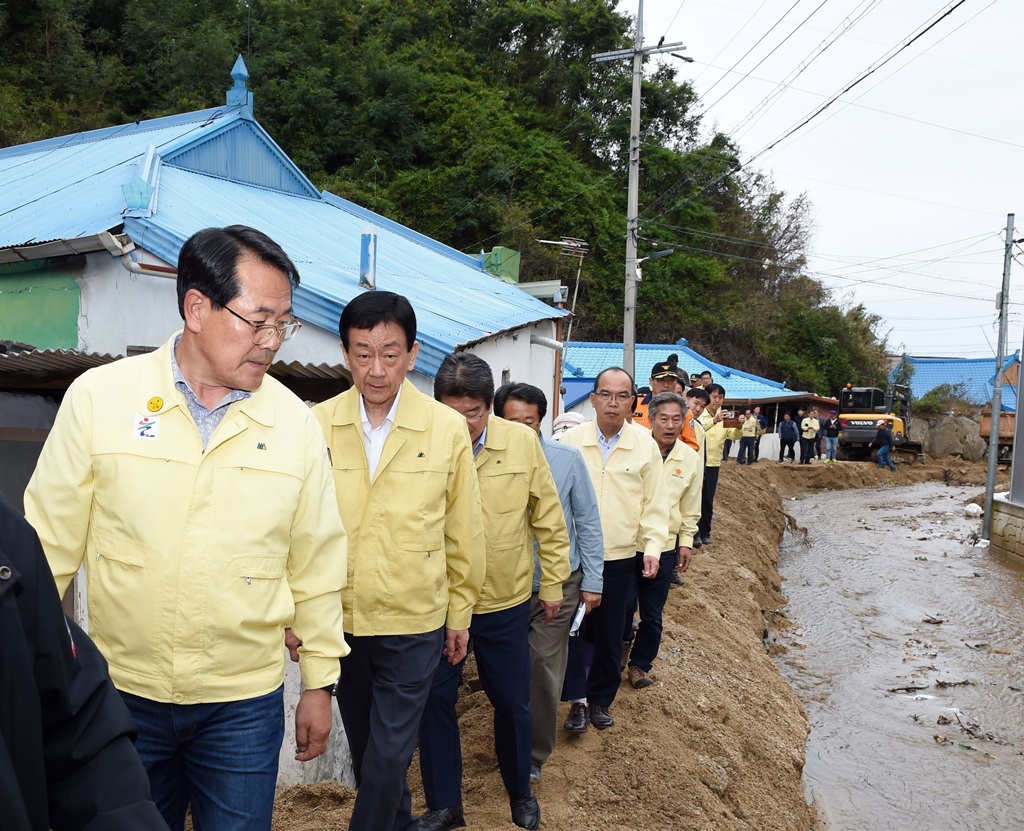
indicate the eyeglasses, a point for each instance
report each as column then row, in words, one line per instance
column 263, row 332
column 621, row 397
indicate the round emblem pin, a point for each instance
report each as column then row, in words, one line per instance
column 155, row 404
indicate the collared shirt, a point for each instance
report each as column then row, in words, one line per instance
column 206, row 420
column 480, row 443
column 607, row 445
column 374, row 437
column 582, row 519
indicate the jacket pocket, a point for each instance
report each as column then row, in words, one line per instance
column 126, row 600
column 417, row 576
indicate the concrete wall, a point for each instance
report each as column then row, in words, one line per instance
column 1007, row 527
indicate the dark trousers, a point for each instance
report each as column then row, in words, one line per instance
column 786, row 448
column 574, row 686
column 707, row 501
column 383, row 691
column 806, row 450
column 747, row 450
column 606, row 627
column 501, row 646
column 726, row 449
column 651, row 594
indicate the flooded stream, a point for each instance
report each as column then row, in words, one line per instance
column 914, row 724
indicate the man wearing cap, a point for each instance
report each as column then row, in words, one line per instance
column 665, row 376
column 831, row 427
column 884, row 442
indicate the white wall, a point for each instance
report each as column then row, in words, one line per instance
column 513, row 355
column 118, row 308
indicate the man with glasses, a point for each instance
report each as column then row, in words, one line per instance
column 197, row 492
column 625, row 468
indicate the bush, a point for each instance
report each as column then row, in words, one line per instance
column 943, row 399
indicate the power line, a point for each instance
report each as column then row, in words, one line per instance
column 858, row 80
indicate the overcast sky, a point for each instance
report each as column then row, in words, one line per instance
column 911, row 173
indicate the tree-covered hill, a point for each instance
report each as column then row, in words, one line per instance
column 480, row 123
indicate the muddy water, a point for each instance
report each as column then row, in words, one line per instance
column 872, row 567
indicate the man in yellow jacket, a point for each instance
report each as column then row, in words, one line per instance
column 714, row 441
column 683, row 472
column 626, row 469
column 521, row 504
column 197, row 492
column 408, row 495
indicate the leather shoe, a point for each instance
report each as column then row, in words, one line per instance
column 525, row 811
column 600, row 717
column 578, row 718
column 534, row 772
column 442, row 819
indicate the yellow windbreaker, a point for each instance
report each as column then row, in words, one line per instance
column 521, row 504
column 631, row 495
column 195, row 561
column 416, row 542
column 684, row 480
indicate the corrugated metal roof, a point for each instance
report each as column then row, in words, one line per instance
column 976, row 375
column 456, row 303
column 586, row 360
column 70, row 188
column 18, row 368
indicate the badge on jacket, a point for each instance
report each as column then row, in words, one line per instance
column 146, row 427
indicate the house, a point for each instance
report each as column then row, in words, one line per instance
column 973, row 378
column 93, row 223
column 583, row 362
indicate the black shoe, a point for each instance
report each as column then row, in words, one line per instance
column 600, row 717
column 442, row 819
column 706, row 539
column 525, row 811
column 677, row 579
column 579, row 717
column 697, row 542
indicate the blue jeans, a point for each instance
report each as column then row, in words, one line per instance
column 883, row 457
column 220, row 758
column 831, row 447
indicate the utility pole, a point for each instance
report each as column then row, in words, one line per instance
column 996, row 420
column 637, row 53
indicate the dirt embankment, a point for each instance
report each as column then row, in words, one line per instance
column 718, row 741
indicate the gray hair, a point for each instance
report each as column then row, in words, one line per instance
column 663, row 398
column 464, row 375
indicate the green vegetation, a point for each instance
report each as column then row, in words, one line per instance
column 480, row 123
column 944, row 398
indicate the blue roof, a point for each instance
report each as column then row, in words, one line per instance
column 583, row 361
column 219, row 167
column 975, row 375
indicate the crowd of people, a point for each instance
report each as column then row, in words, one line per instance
column 377, row 538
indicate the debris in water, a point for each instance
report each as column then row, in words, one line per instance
column 909, row 688
column 935, row 621
column 976, row 645
column 944, row 684
column 943, row 720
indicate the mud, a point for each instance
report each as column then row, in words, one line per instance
column 718, row 741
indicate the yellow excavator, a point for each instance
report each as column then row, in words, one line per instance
column 860, row 408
